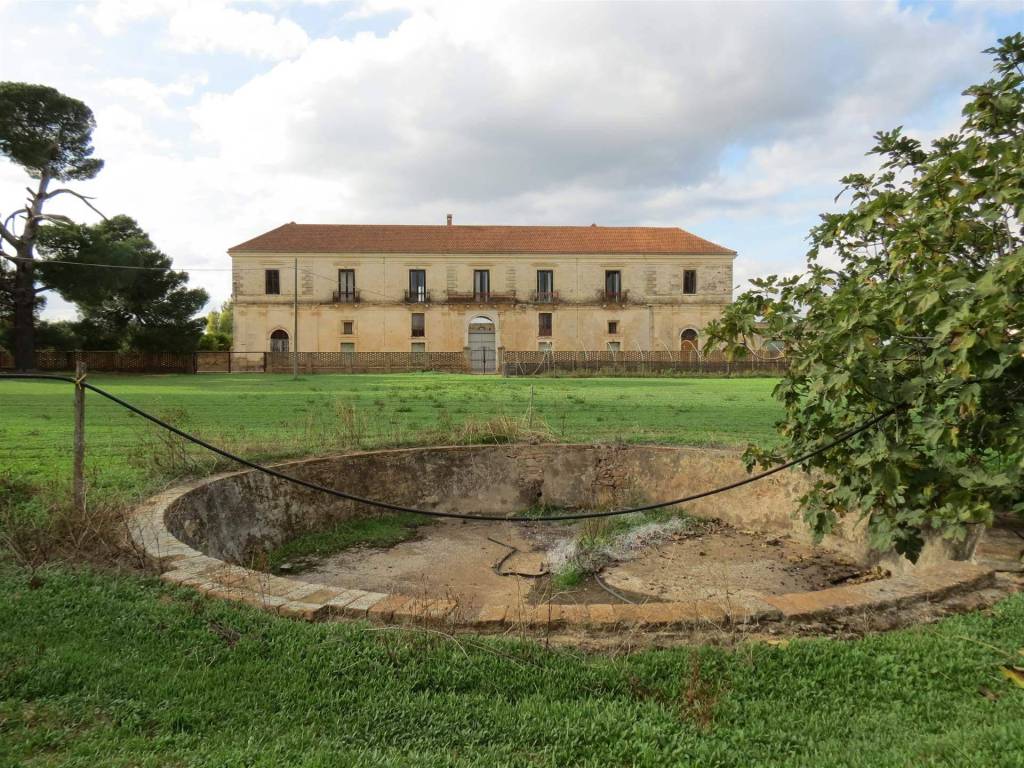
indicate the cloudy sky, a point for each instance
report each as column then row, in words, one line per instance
column 220, row 120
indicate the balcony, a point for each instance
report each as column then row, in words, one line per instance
column 544, row 297
column 481, row 297
column 418, row 296
column 346, row 297
column 613, row 297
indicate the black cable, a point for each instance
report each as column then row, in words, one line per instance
column 843, row 437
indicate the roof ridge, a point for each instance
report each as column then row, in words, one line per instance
column 481, row 238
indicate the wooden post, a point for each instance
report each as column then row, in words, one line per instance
column 531, row 407
column 78, row 489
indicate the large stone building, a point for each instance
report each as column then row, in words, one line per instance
column 388, row 288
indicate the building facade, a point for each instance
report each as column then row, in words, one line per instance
column 481, row 289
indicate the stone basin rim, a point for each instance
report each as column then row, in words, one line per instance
column 187, row 565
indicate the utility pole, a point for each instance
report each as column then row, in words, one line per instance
column 295, row 321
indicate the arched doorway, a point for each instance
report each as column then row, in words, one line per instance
column 279, row 341
column 483, row 354
column 688, row 345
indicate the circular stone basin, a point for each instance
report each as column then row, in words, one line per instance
column 741, row 556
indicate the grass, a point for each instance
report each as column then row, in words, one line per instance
column 102, row 669
column 99, row 667
column 366, row 531
column 275, row 417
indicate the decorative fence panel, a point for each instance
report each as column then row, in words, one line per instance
column 530, row 363
column 231, row 362
column 108, row 361
column 367, row 362
column 637, row 362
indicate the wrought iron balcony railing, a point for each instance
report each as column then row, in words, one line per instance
column 481, row 297
column 544, row 297
column 419, row 296
column 346, row 297
column 613, row 297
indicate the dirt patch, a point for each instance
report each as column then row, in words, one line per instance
column 729, row 564
column 487, row 562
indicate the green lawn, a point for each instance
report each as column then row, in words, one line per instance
column 100, row 668
column 273, row 416
column 104, row 670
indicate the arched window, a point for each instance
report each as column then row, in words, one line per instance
column 279, row 341
column 688, row 343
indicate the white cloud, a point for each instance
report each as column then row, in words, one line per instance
column 211, row 28
column 206, row 26
column 478, row 102
column 532, row 113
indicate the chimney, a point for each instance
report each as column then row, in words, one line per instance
column 449, row 219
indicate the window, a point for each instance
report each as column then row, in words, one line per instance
column 481, row 284
column 613, row 284
column 613, row 327
column 347, row 285
column 688, row 342
column 346, row 328
column 544, row 346
column 614, row 346
column 279, row 340
column 419, row 327
column 418, row 346
column 417, row 285
column 689, row 281
column 544, row 324
column 545, row 285
column 272, row 281
column 348, row 348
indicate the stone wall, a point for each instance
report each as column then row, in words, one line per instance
column 238, row 516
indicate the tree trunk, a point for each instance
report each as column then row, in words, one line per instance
column 25, row 284
column 24, row 311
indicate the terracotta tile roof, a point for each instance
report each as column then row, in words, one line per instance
column 412, row 238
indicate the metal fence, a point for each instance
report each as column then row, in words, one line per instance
column 512, row 363
column 638, row 362
column 367, row 362
column 107, row 361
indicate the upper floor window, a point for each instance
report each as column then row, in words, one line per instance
column 545, row 285
column 347, row 285
column 689, row 281
column 272, row 281
column 419, row 326
column 544, row 324
column 481, row 284
column 417, row 285
column 613, row 284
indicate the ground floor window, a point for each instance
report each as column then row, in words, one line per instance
column 418, row 346
column 543, row 346
column 347, row 327
column 613, row 327
column 279, row 341
column 348, row 348
column 544, row 324
column 419, row 325
column 614, row 346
